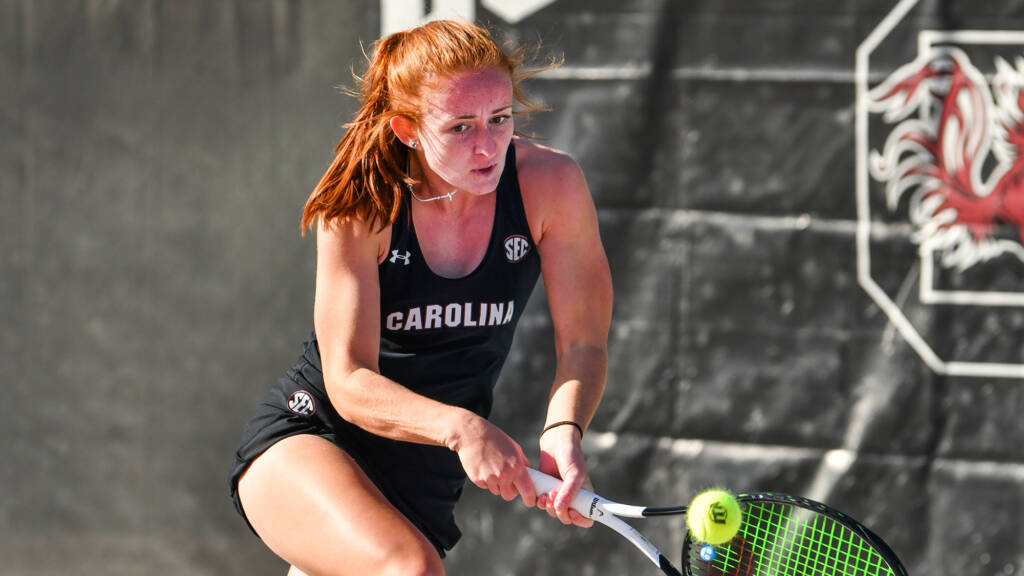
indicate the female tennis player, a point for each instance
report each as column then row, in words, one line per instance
column 433, row 223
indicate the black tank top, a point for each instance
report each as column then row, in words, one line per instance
column 448, row 338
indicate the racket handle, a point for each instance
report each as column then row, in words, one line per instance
column 602, row 510
column 585, row 501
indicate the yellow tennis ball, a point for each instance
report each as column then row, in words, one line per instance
column 714, row 517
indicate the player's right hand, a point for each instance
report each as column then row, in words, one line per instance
column 494, row 461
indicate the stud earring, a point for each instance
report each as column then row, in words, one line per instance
column 412, row 144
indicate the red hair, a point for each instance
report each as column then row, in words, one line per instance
column 366, row 178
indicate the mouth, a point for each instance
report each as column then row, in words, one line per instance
column 486, row 171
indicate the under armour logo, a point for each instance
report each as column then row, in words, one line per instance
column 395, row 257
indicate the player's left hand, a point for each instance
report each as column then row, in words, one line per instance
column 561, row 456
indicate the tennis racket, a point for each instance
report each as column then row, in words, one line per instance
column 779, row 535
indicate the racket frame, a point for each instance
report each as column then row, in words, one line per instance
column 610, row 513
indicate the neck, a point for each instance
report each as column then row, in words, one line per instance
column 449, row 196
column 425, row 192
column 460, row 203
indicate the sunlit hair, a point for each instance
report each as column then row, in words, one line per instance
column 369, row 170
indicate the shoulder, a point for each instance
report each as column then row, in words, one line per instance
column 350, row 237
column 551, row 182
column 541, row 167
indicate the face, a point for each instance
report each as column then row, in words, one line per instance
column 465, row 130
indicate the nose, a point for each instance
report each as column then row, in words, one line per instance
column 486, row 144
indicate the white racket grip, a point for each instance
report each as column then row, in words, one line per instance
column 602, row 510
column 586, row 502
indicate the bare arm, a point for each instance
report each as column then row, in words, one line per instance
column 579, row 291
column 346, row 315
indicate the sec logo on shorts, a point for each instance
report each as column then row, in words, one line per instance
column 302, row 403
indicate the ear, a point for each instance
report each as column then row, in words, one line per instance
column 404, row 129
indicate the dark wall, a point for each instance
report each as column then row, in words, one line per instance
column 154, row 156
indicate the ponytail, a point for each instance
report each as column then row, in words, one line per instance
column 366, row 176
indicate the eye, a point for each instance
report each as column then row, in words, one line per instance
column 460, row 128
column 501, row 119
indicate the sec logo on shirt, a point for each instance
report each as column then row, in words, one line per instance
column 516, row 248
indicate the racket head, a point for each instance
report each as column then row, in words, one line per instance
column 783, row 534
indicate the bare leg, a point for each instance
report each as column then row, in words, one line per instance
column 315, row 508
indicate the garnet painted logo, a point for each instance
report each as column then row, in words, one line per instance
column 302, row 403
column 940, row 190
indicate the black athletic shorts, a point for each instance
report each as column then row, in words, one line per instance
column 297, row 404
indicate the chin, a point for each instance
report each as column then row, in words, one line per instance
column 490, row 180
column 485, row 189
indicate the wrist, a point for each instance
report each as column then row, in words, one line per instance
column 460, row 426
column 563, row 427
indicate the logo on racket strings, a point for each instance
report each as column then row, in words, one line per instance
column 301, row 402
column 707, row 552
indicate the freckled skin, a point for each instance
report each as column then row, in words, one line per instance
column 464, row 132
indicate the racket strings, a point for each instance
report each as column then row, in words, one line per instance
column 780, row 539
column 808, row 543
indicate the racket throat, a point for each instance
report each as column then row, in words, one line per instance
column 663, row 511
column 667, row 566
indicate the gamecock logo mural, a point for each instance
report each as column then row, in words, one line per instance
column 948, row 125
column 940, row 191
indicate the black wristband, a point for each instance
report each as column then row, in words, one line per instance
column 563, row 423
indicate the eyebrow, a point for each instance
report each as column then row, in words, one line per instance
column 471, row 116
